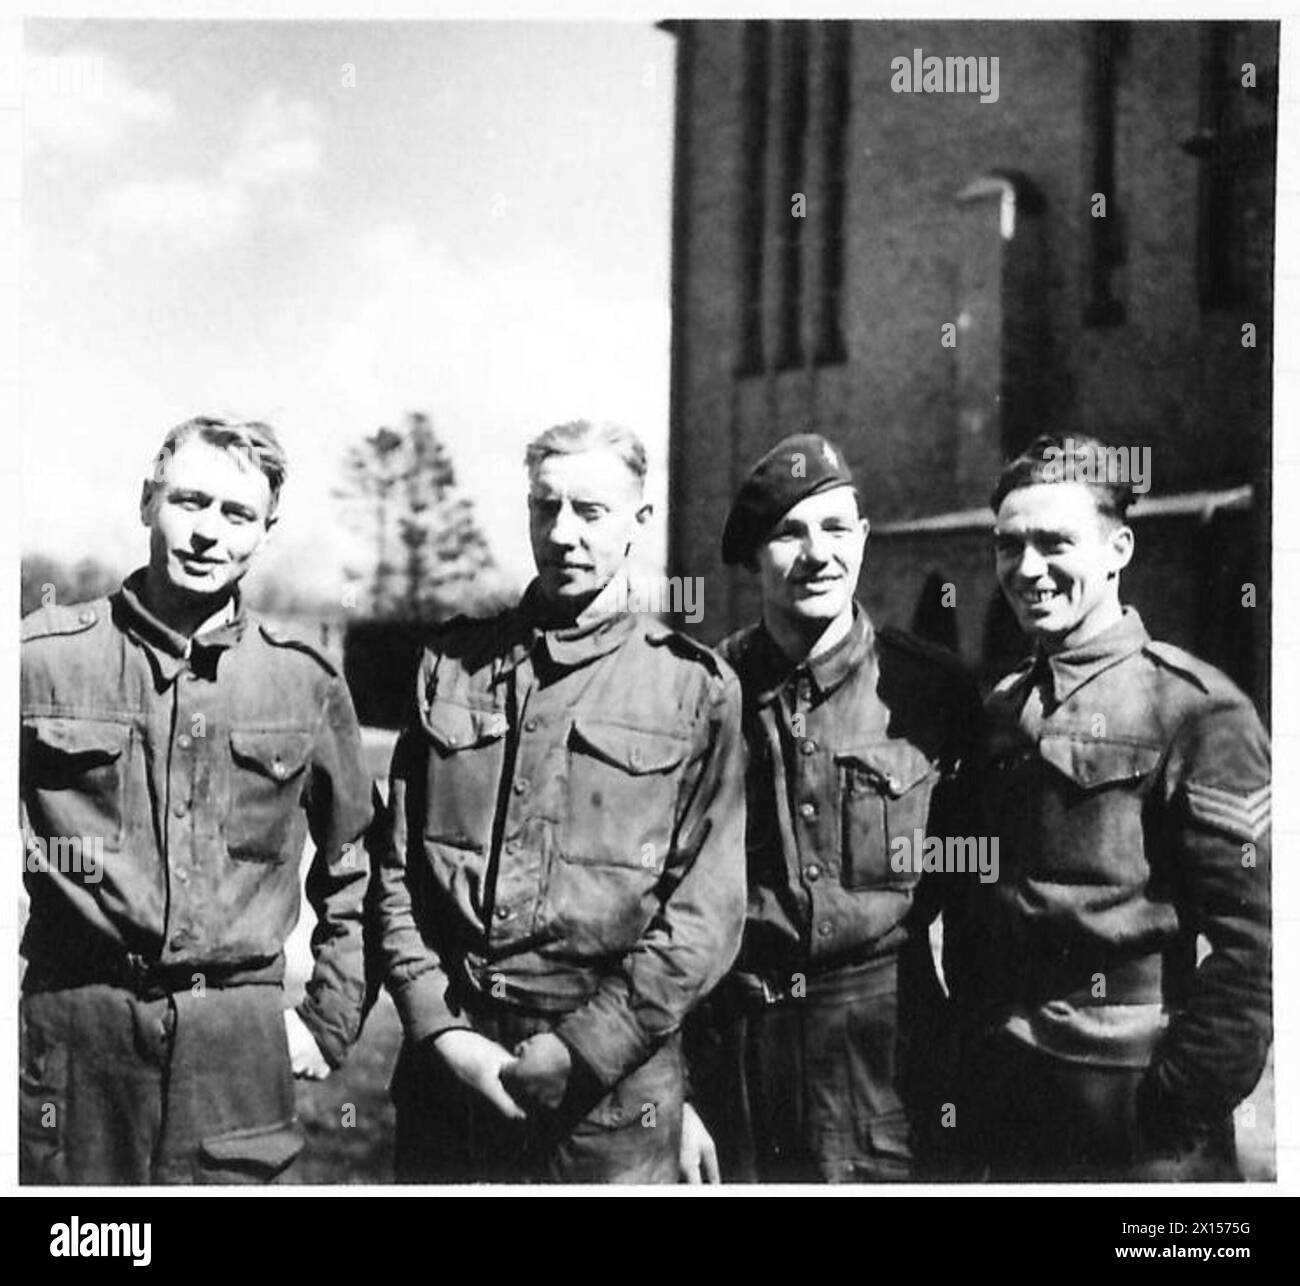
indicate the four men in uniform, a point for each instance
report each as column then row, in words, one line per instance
column 596, row 834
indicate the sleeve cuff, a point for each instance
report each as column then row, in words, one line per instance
column 333, row 1046
column 606, row 1038
column 422, row 1006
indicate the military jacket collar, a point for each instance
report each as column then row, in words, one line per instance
column 167, row 649
column 766, row 669
column 1066, row 672
column 567, row 646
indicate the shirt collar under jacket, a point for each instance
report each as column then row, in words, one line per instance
column 772, row 670
column 1067, row 671
column 169, row 650
column 566, row 646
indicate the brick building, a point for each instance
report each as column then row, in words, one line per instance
column 930, row 277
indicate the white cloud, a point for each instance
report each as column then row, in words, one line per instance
column 278, row 142
column 82, row 101
column 267, row 174
column 494, row 355
column 517, row 340
column 199, row 212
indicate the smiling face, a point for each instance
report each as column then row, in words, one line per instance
column 808, row 564
column 208, row 513
column 584, row 510
column 1058, row 562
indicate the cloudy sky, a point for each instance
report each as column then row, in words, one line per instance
column 328, row 225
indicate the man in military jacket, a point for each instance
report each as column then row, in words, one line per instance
column 175, row 752
column 1114, row 983
column 815, row 1060
column 561, row 872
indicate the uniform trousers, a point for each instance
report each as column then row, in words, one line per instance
column 1026, row 1116
column 809, row 1083
column 190, row 1086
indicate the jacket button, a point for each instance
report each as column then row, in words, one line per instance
column 808, row 809
column 808, row 747
column 178, row 940
column 895, row 786
column 180, row 808
column 826, row 928
column 813, row 872
column 183, row 741
column 513, row 846
column 503, row 913
column 182, row 876
column 280, row 768
column 530, row 725
column 87, row 617
column 521, row 786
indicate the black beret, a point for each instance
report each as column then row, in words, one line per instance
column 797, row 467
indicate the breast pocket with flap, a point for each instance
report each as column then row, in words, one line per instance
column 1090, row 826
column 622, row 793
column 268, row 773
column 466, row 756
column 885, row 789
column 76, row 769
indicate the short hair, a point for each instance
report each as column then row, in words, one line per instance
column 1067, row 457
column 584, row 435
column 254, row 440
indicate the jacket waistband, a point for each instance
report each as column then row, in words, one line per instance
column 874, row 976
column 89, row 963
column 1134, row 981
column 486, row 986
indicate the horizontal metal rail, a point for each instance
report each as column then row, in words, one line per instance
column 1189, row 504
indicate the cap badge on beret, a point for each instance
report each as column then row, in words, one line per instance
column 797, row 467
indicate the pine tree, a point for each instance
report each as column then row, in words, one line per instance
column 404, row 485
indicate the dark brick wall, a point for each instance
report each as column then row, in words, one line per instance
column 1171, row 376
